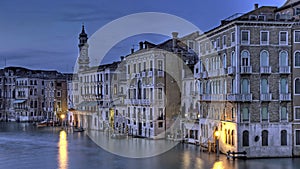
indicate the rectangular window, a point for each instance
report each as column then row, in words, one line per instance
column 297, row 11
column 232, row 38
column 297, row 113
column 218, row 43
column 264, row 37
column 283, row 36
column 264, row 113
column 245, row 37
column 160, row 65
column 283, row 113
column 191, row 45
column 224, row 41
column 297, row 137
column 58, row 94
column 297, row 36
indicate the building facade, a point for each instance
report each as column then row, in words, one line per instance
column 246, row 80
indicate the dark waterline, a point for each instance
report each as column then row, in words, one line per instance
column 25, row 146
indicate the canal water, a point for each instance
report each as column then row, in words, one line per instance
column 24, row 146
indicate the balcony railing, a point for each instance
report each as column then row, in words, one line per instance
column 284, row 69
column 231, row 70
column 213, row 97
column 239, row 97
column 246, row 69
column 265, row 70
column 213, row 73
column 137, row 101
column 285, row 97
column 266, row 97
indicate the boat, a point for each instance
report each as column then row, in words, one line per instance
column 78, row 129
column 42, row 124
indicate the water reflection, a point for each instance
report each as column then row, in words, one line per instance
column 218, row 165
column 63, row 150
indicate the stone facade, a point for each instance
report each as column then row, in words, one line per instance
column 246, row 83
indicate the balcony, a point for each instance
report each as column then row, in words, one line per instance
column 137, row 101
column 239, row 97
column 265, row 70
column 284, row 69
column 213, row 97
column 246, row 69
column 231, row 70
column 285, row 97
column 266, row 97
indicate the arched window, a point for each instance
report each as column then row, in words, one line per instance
column 245, row 58
column 283, row 86
column 264, row 86
column 283, row 113
column 245, row 86
column 245, row 114
column 297, row 86
column 264, row 58
column 283, row 58
column 264, row 135
column 264, row 113
column 297, row 59
column 245, row 138
column 224, row 61
column 139, row 89
column 233, row 62
column 283, row 136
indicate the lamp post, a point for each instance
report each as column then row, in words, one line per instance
column 217, row 135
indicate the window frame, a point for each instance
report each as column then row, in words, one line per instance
column 246, row 42
column 287, row 116
column 286, row 36
column 296, row 119
column 268, row 37
column 261, row 113
column 295, row 86
column 295, row 134
column 233, row 38
column 296, row 66
column 298, row 31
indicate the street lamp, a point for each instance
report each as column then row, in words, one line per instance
column 217, row 135
column 62, row 117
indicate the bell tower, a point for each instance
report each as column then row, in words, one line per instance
column 83, row 60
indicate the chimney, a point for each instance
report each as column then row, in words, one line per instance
column 174, row 40
column 146, row 44
column 141, row 45
column 132, row 50
column 122, row 58
column 255, row 6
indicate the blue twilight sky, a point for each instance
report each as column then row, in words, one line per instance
column 44, row 34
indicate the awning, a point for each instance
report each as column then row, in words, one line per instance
column 19, row 101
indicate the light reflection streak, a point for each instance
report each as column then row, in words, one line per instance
column 218, row 165
column 63, row 150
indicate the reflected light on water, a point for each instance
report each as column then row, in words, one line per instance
column 218, row 165
column 63, row 150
